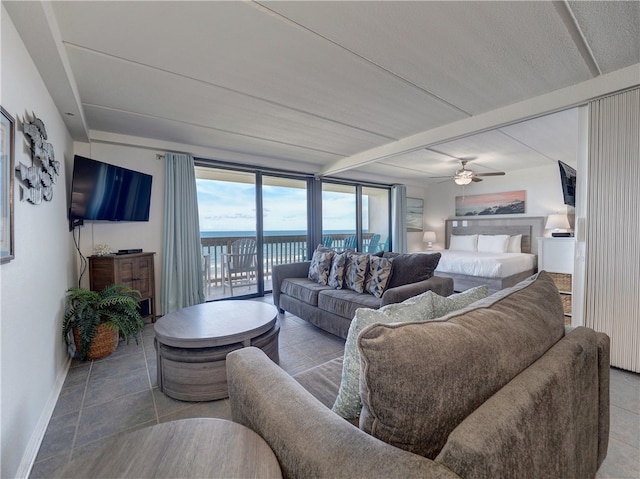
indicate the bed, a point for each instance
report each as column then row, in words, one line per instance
column 495, row 252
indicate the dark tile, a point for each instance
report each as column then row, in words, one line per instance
column 58, row 438
column 50, row 468
column 105, row 389
column 166, row 405
column 625, row 426
column 117, row 365
column 625, row 390
column 220, row 409
column 77, row 375
column 69, row 400
column 105, row 441
column 115, row 416
column 621, row 462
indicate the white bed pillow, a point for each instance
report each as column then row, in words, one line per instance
column 493, row 243
column 464, row 242
column 515, row 244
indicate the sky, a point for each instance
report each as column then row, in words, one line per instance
column 227, row 206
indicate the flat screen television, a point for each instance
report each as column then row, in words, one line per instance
column 568, row 180
column 104, row 192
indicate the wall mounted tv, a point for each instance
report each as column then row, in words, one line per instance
column 568, row 180
column 104, row 192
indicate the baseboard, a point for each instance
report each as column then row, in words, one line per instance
column 31, row 452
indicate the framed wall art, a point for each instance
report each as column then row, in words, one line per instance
column 6, row 185
column 415, row 208
column 507, row 203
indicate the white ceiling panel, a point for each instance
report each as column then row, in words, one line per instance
column 242, row 48
column 333, row 86
column 612, row 30
column 475, row 55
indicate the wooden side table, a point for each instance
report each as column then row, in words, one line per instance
column 200, row 447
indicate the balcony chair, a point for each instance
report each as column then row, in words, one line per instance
column 327, row 241
column 351, row 242
column 373, row 244
column 239, row 265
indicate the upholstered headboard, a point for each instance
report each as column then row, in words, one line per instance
column 530, row 227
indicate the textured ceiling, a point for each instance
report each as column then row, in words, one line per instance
column 315, row 86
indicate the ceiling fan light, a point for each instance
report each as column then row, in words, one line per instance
column 462, row 180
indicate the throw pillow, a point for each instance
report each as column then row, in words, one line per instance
column 356, row 271
column 411, row 267
column 336, row 274
column 378, row 276
column 420, row 380
column 423, row 307
column 320, row 265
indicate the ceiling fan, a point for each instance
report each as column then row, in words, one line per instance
column 464, row 176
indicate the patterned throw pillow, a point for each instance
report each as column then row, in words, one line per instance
column 336, row 275
column 320, row 265
column 378, row 275
column 424, row 307
column 356, row 271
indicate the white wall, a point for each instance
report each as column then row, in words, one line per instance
column 543, row 197
column 33, row 356
column 126, row 235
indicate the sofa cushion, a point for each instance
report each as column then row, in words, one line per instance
column 378, row 275
column 320, row 265
column 420, row 380
column 336, row 273
column 303, row 289
column 423, row 307
column 356, row 271
column 345, row 302
column 411, row 267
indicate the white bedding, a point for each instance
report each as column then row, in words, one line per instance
column 486, row 265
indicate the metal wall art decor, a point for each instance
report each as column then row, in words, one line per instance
column 6, row 186
column 37, row 179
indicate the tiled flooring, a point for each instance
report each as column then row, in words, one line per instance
column 103, row 398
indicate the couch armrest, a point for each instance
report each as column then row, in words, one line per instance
column 437, row 284
column 282, row 271
column 604, row 370
column 309, row 440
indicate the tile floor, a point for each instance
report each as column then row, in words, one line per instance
column 103, row 398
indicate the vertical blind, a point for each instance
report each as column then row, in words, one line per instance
column 612, row 232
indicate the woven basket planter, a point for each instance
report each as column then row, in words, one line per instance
column 105, row 342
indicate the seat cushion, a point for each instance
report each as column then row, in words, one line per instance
column 303, row 289
column 345, row 302
column 419, row 380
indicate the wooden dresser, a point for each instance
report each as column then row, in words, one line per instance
column 135, row 270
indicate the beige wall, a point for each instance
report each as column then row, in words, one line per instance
column 33, row 355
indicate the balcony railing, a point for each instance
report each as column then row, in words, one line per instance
column 276, row 250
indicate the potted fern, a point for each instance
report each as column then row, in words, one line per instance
column 94, row 320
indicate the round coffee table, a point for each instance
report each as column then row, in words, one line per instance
column 195, row 448
column 192, row 345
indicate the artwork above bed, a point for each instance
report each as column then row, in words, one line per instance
column 495, row 252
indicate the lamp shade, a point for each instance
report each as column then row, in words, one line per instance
column 557, row 222
column 429, row 237
column 463, row 180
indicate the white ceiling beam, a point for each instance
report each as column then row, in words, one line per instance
column 555, row 101
column 40, row 33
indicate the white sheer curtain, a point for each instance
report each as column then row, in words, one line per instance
column 182, row 280
column 399, row 218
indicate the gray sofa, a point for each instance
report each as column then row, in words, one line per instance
column 497, row 390
column 333, row 309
